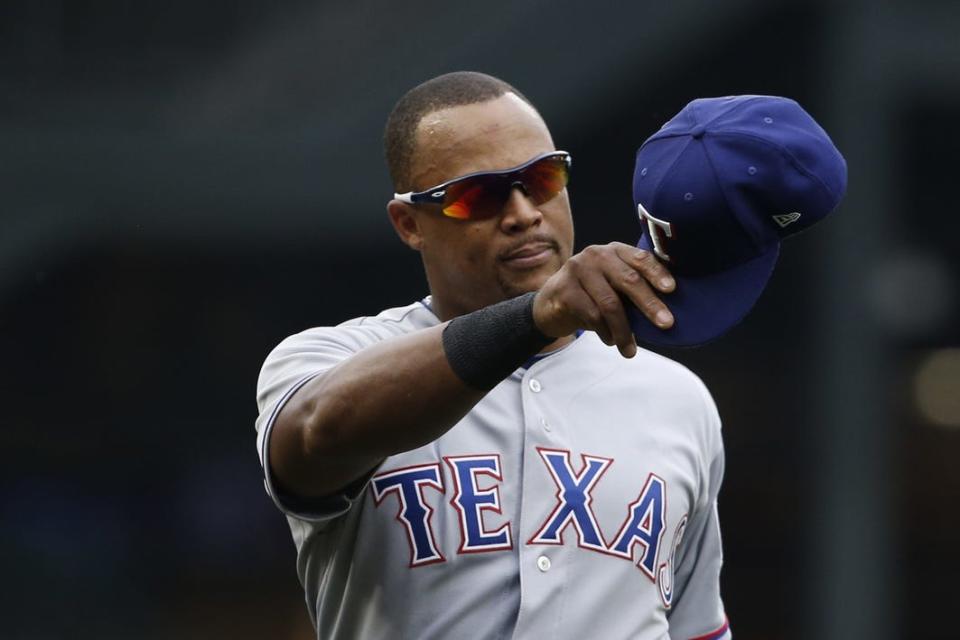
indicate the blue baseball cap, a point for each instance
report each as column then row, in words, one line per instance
column 717, row 188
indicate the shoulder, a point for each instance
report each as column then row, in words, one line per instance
column 669, row 372
column 320, row 348
column 688, row 386
column 656, row 381
column 362, row 331
column 651, row 368
column 417, row 315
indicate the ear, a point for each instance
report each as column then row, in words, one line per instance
column 406, row 223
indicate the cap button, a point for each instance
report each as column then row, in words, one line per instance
column 697, row 131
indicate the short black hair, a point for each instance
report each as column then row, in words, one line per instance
column 449, row 90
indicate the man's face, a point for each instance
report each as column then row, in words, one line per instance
column 475, row 263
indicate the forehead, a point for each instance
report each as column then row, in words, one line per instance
column 485, row 136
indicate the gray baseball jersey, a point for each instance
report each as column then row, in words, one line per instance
column 578, row 499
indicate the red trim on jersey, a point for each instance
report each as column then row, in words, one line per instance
column 378, row 498
column 717, row 633
column 628, row 555
column 669, row 567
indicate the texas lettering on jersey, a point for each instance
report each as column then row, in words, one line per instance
column 643, row 526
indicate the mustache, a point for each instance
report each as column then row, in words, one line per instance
column 536, row 238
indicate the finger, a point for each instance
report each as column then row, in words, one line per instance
column 635, row 285
column 611, row 309
column 576, row 310
column 583, row 306
column 604, row 334
column 648, row 265
column 645, row 299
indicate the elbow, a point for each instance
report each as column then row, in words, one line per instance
column 310, row 447
column 325, row 428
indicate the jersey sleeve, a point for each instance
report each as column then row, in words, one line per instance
column 697, row 612
column 292, row 364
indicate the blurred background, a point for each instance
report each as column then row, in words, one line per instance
column 183, row 184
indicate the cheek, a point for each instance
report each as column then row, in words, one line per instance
column 562, row 222
column 463, row 255
column 475, row 244
column 473, row 255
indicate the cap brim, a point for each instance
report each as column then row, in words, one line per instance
column 706, row 307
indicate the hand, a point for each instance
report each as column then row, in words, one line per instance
column 588, row 293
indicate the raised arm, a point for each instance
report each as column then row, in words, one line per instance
column 405, row 392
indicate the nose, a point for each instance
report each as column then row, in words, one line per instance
column 519, row 213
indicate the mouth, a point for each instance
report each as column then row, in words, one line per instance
column 530, row 255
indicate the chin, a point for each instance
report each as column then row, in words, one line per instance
column 532, row 281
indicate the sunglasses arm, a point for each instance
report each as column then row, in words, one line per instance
column 432, row 196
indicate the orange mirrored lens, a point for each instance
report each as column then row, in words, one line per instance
column 475, row 198
column 485, row 196
column 545, row 179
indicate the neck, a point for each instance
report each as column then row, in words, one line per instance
column 443, row 310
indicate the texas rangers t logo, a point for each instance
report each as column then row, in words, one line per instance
column 654, row 227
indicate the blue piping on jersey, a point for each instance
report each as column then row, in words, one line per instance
column 540, row 356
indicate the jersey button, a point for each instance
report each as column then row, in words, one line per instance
column 535, row 385
column 543, row 563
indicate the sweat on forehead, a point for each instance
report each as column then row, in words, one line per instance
column 437, row 124
column 435, row 95
column 486, row 136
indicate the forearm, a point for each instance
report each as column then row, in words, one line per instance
column 398, row 395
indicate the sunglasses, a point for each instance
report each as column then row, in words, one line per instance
column 483, row 194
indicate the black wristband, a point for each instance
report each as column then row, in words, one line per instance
column 486, row 346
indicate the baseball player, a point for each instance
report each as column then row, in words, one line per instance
column 499, row 459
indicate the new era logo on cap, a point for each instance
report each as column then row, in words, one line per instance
column 787, row 218
column 711, row 187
